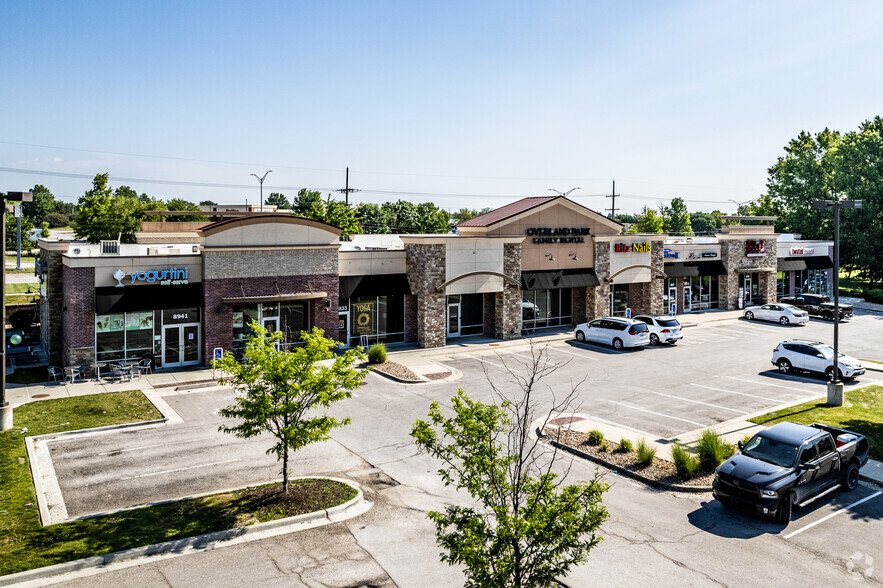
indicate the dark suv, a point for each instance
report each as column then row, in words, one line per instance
column 818, row 305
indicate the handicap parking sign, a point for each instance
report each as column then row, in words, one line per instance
column 218, row 353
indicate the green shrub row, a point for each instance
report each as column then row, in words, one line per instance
column 873, row 296
column 686, row 463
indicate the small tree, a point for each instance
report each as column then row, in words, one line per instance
column 277, row 391
column 529, row 527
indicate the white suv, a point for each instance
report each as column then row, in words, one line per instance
column 616, row 331
column 663, row 329
column 814, row 356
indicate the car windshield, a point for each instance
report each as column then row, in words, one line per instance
column 828, row 352
column 768, row 450
column 669, row 323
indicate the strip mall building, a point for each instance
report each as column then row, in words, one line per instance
column 186, row 289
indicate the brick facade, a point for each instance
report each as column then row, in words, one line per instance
column 410, row 318
column 578, row 305
column 218, row 326
column 489, row 302
column 78, row 315
column 51, row 314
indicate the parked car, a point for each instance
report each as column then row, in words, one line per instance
column 781, row 313
column 663, row 329
column 790, row 465
column 818, row 305
column 616, row 331
column 816, row 357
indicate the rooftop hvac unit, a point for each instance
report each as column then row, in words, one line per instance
column 110, row 247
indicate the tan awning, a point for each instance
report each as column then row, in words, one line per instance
column 274, row 298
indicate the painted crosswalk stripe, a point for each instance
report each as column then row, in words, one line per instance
column 668, row 416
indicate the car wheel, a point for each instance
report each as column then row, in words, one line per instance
column 850, row 477
column 617, row 344
column 783, row 515
column 654, row 339
column 829, row 373
column 673, row 342
column 828, row 316
column 784, row 366
column 580, row 336
column 784, row 320
column 749, row 316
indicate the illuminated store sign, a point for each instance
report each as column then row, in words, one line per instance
column 559, row 235
column 697, row 255
column 755, row 248
column 171, row 277
column 632, row 247
column 803, row 251
column 673, row 254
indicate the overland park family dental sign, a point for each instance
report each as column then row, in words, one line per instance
column 559, row 235
column 171, row 277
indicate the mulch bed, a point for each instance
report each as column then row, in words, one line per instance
column 266, row 503
column 396, row 370
column 660, row 470
column 437, row 376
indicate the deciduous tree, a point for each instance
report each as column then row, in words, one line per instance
column 280, row 391
column 648, row 222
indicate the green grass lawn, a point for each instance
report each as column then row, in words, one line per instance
column 25, row 544
column 862, row 412
column 24, row 258
column 21, row 288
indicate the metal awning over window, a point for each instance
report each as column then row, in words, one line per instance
column 274, row 298
column 790, row 265
column 711, row 268
column 556, row 279
column 819, row 262
column 112, row 299
column 681, row 270
column 374, row 285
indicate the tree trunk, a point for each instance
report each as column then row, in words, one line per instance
column 285, row 471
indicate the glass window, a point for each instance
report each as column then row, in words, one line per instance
column 546, row 308
column 619, row 299
column 379, row 318
column 471, row 314
column 242, row 317
column 293, row 318
column 123, row 335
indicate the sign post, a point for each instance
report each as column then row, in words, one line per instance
column 217, row 355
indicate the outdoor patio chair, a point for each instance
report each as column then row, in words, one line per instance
column 145, row 366
column 55, row 373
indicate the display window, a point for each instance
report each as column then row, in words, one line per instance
column 541, row 309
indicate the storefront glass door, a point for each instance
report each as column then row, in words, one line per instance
column 748, row 283
column 453, row 319
column 181, row 345
column 343, row 328
column 271, row 324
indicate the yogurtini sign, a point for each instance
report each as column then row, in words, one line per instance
column 168, row 277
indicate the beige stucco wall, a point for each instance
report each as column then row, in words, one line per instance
column 270, row 234
column 554, row 256
column 363, row 263
column 105, row 267
column 466, row 255
column 622, row 260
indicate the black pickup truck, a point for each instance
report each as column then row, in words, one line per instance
column 817, row 305
column 790, row 465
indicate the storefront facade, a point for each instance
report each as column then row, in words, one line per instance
column 536, row 264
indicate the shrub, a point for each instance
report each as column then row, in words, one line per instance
column 596, row 437
column 377, row 353
column 645, row 453
column 626, row 445
column 686, row 463
column 604, row 446
column 713, row 450
column 875, row 296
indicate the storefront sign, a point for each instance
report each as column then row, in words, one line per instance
column 755, row 248
column 171, row 277
column 559, row 235
column 673, row 254
column 803, row 251
column 697, row 255
column 363, row 318
column 632, row 247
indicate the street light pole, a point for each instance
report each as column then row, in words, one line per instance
column 835, row 386
column 261, row 180
column 560, row 193
column 5, row 408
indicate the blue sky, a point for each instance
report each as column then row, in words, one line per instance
column 460, row 103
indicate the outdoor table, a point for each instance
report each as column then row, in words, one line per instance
column 97, row 366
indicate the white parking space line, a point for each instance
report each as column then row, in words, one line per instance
column 496, row 365
column 527, row 357
column 205, row 465
column 703, row 403
column 668, row 416
column 572, row 353
column 116, row 451
column 737, row 393
column 801, row 390
column 834, row 514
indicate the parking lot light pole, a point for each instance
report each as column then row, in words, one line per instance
column 835, row 386
column 5, row 408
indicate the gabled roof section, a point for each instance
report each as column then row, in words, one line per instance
column 504, row 212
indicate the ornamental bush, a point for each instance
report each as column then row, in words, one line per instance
column 596, row 437
column 626, row 445
column 685, row 462
column 645, row 453
column 377, row 353
column 713, row 450
column 875, row 296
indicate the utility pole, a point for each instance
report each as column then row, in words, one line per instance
column 346, row 191
column 261, row 180
column 612, row 196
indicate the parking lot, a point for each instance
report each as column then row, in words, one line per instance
column 719, row 371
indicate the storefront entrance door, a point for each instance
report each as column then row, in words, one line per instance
column 454, row 319
column 749, row 283
column 271, row 324
column 181, row 345
column 343, row 329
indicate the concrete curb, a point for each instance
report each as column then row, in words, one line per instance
column 208, row 541
column 629, row 473
column 397, row 379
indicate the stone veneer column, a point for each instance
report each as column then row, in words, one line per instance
column 655, row 290
column 425, row 266
column 507, row 307
column 728, row 285
column 598, row 298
